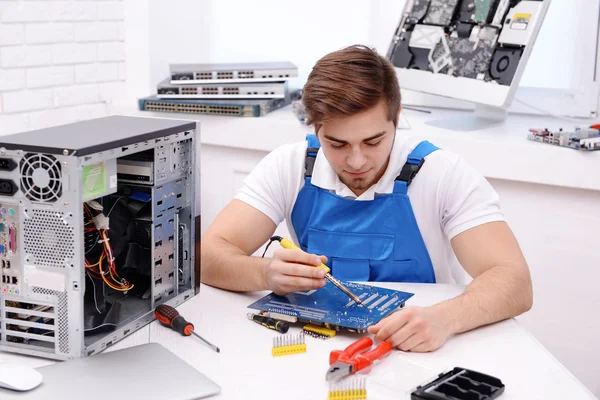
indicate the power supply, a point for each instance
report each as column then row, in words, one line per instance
column 96, row 230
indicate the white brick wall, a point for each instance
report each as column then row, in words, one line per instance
column 60, row 61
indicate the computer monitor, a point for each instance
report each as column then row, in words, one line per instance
column 473, row 50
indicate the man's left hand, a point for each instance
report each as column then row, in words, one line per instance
column 416, row 329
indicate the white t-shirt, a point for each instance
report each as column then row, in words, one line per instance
column 447, row 195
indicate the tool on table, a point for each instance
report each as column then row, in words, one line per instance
column 319, row 332
column 289, row 344
column 348, row 389
column 354, row 358
column 270, row 323
column 288, row 244
column 170, row 317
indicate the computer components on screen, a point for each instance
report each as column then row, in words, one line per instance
column 475, row 39
column 587, row 139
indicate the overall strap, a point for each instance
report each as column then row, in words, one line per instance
column 311, row 155
column 415, row 161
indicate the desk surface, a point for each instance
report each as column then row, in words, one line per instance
column 245, row 367
column 500, row 152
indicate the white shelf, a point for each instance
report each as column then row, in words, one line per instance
column 501, row 152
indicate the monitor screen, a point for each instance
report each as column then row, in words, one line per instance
column 473, row 50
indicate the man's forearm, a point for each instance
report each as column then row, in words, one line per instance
column 226, row 266
column 500, row 293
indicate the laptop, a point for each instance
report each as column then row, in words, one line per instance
column 147, row 372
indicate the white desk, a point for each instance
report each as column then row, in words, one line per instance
column 245, row 368
column 549, row 195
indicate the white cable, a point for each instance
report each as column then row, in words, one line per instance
column 113, row 206
column 545, row 112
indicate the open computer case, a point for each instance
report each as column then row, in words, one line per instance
column 96, row 230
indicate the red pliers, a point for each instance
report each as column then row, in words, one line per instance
column 355, row 358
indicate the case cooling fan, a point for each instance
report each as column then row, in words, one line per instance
column 41, row 177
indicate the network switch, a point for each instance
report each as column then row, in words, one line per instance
column 233, row 72
column 254, row 90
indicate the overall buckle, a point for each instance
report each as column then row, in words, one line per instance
column 409, row 171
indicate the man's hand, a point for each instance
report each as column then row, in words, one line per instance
column 293, row 271
column 416, row 329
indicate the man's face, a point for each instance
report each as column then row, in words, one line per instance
column 358, row 147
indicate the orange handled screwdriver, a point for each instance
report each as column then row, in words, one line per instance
column 170, row 317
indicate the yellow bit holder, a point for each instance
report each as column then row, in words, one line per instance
column 289, row 344
column 320, row 331
column 287, row 350
column 354, row 388
column 358, row 394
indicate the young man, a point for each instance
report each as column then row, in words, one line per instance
column 375, row 206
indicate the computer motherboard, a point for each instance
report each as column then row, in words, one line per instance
column 332, row 308
column 587, row 139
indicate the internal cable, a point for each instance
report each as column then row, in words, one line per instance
column 109, row 276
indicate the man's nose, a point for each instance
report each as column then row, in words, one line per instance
column 357, row 160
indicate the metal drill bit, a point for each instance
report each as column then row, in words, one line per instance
column 344, row 289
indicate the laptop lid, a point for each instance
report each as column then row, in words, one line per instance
column 144, row 372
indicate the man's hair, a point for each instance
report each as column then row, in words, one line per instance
column 349, row 81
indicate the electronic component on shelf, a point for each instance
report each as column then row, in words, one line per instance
column 256, row 90
column 351, row 388
column 335, row 310
column 587, row 139
column 319, row 332
column 233, row 72
column 230, row 107
column 292, row 343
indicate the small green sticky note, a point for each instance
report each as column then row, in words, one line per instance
column 94, row 180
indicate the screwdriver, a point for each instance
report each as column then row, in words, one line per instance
column 170, row 317
column 270, row 323
column 287, row 244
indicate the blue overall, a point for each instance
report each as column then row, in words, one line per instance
column 373, row 240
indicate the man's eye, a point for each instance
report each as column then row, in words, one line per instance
column 374, row 144
column 339, row 146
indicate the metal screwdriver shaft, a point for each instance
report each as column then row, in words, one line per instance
column 212, row 346
column 170, row 317
column 344, row 289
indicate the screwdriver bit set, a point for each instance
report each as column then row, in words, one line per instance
column 293, row 343
column 353, row 388
column 318, row 332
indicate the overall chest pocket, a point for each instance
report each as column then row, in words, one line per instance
column 351, row 255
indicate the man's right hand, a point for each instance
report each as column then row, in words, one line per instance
column 293, row 271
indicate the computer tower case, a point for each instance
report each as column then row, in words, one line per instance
column 97, row 228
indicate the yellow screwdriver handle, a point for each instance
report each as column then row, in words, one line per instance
column 288, row 244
